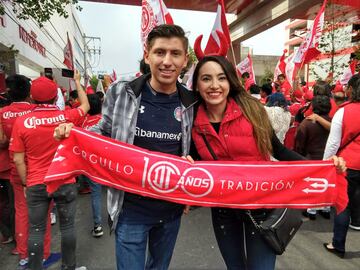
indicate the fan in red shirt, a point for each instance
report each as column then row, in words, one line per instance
column 32, row 140
column 19, row 90
column 285, row 86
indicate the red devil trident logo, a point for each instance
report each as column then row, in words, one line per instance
column 319, row 185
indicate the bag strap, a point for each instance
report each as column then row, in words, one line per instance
column 209, row 147
column 349, row 141
column 257, row 226
column 248, row 212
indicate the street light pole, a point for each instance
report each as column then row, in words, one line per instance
column 87, row 40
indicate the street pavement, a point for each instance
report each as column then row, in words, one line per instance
column 196, row 246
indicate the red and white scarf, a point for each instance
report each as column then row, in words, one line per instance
column 250, row 185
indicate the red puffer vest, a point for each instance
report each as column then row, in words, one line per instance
column 350, row 128
column 235, row 140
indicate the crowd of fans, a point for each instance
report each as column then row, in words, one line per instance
column 301, row 117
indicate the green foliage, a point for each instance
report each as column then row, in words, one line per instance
column 41, row 11
column 268, row 74
column 94, row 82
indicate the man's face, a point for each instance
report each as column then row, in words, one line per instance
column 281, row 80
column 166, row 58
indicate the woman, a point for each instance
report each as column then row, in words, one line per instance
column 344, row 140
column 279, row 115
column 236, row 127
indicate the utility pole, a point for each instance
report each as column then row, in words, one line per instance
column 90, row 51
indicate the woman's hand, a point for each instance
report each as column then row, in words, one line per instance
column 339, row 163
column 63, row 131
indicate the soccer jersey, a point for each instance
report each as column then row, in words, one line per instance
column 90, row 120
column 33, row 135
column 8, row 115
column 158, row 128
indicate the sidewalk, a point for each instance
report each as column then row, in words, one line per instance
column 196, row 245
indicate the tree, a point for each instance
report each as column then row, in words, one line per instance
column 41, row 11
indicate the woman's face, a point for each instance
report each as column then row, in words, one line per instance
column 213, row 84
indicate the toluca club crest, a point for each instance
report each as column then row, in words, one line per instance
column 148, row 20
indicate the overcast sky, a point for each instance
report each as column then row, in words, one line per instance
column 118, row 26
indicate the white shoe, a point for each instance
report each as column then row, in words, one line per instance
column 356, row 228
column 81, row 268
column 52, row 218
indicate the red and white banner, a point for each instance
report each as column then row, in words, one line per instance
column 246, row 65
column 68, row 54
column 218, row 183
column 213, row 44
column 349, row 72
column 154, row 13
column 290, row 69
column 309, row 47
column 280, row 66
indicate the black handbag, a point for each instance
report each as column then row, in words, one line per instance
column 280, row 225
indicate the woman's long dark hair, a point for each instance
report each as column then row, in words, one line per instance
column 250, row 106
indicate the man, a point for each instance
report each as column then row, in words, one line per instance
column 285, row 86
column 32, row 140
column 154, row 103
column 18, row 87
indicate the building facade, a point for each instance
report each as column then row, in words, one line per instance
column 26, row 48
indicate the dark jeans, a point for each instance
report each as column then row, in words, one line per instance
column 342, row 221
column 7, row 211
column 240, row 244
column 38, row 201
column 132, row 239
column 95, row 198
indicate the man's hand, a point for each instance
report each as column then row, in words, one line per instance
column 77, row 75
column 63, row 131
column 339, row 163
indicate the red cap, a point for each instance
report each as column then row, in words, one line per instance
column 43, row 89
column 309, row 95
column 338, row 88
column 89, row 90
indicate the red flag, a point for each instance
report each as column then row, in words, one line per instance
column 154, row 13
column 280, row 66
column 349, row 72
column 113, row 76
column 68, row 54
column 290, row 69
column 220, row 24
column 246, row 65
column 309, row 47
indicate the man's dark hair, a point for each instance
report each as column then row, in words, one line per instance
column 254, row 89
column 167, row 31
column 321, row 105
column 18, row 87
column 95, row 104
column 4, row 100
column 74, row 94
column 51, row 101
column 322, row 88
column 100, row 94
column 245, row 75
column 267, row 88
column 144, row 68
column 281, row 76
